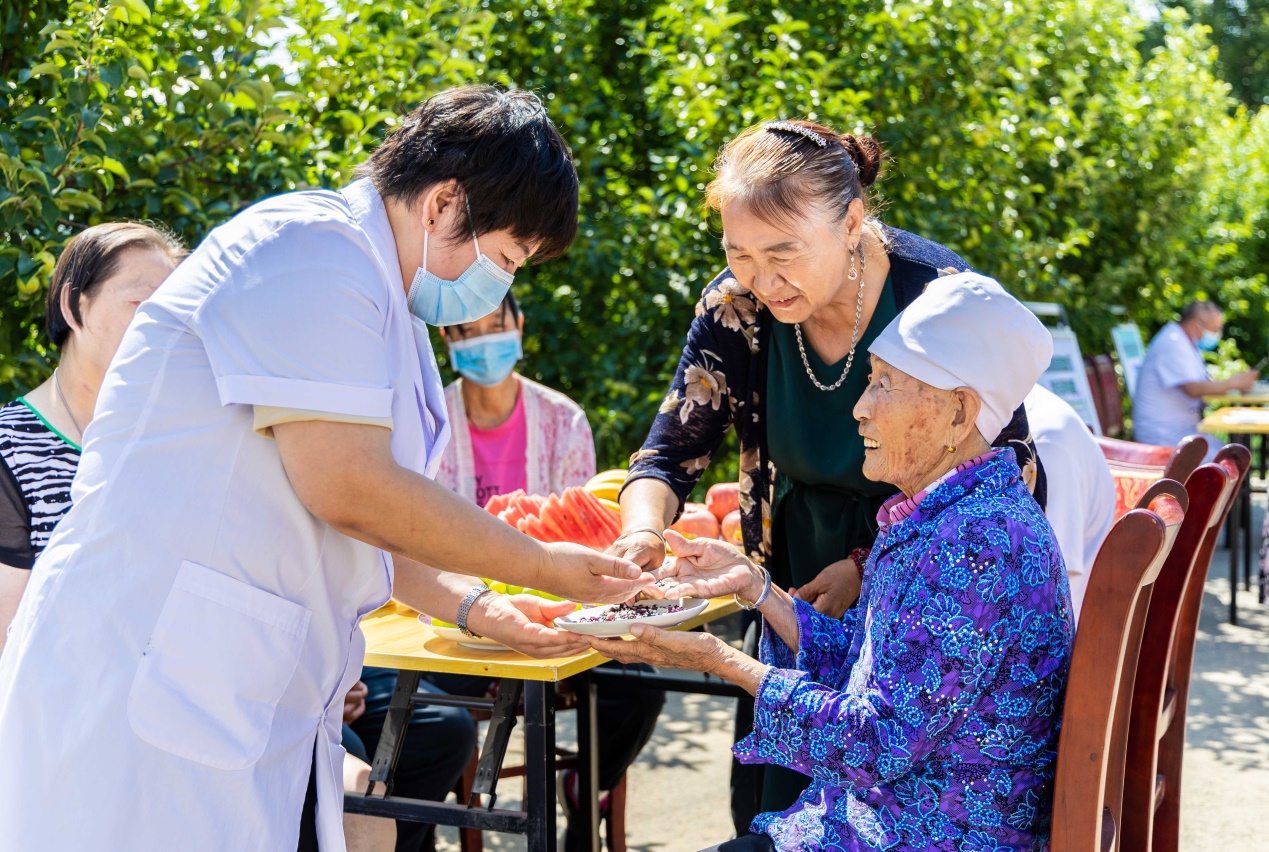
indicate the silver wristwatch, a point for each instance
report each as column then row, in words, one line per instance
column 465, row 607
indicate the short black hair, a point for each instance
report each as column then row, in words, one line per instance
column 91, row 257
column 1194, row 309
column 515, row 169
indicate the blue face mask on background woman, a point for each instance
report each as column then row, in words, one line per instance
column 472, row 295
column 1209, row 340
column 488, row 359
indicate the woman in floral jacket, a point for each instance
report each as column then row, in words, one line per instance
column 811, row 278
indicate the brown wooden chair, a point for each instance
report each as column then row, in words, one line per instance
column 1107, row 390
column 1088, row 789
column 1135, row 467
column 1156, row 732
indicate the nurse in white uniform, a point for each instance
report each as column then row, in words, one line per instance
column 261, row 449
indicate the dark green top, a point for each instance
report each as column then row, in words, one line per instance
column 824, row 507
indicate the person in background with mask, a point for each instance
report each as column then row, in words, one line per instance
column 509, row 431
column 512, row 433
column 1173, row 380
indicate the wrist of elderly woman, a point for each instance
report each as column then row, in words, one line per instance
column 755, row 585
column 738, row 667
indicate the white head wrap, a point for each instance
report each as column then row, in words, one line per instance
column 965, row 331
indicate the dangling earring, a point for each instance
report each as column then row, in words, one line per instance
column 853, row 273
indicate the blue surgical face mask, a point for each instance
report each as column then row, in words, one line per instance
column 476, row 293
column 1209, row 340
column 488, row 359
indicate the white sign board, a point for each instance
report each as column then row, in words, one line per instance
column 1066, row 377
column 1131, row 350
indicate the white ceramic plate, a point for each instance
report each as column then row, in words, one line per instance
column 456, row 635
column 659, row 616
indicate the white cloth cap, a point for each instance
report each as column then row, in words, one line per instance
column 965, row 331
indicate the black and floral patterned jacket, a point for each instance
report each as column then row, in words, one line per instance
column 721, row 381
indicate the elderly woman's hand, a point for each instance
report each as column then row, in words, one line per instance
column 701, row 652
column 708, row 568
column 673, row 649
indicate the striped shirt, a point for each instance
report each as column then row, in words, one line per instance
column 37, row 464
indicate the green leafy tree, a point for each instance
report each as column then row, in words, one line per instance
column 1035, row 138
column 1240, row 30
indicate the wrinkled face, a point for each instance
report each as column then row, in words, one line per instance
column 107, row 312
column 794, row 268
column 905, row 424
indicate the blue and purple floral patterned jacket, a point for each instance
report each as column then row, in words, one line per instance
column 928, row 717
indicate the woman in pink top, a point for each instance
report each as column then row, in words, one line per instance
column 509, row 432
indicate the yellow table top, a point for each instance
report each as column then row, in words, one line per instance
column 395, row 639
column 1245, row 399
column 1237, row 421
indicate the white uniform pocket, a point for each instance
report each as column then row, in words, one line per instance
column 221, row 655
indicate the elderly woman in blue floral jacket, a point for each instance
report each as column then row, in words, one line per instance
column 811, row 279
column 927, row 718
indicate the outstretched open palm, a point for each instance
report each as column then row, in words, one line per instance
column 706, row 568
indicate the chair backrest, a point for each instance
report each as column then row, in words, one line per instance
column 1188, row 456
column 1095, row 387
column 1092, row 746
column 1235, row 461
column 1154, row 696
column 1135, row 467
column 1112, row 398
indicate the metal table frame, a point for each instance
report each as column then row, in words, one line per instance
column 537, row 821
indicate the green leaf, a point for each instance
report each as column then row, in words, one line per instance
column 139, row 9
column 114, row 167
column 76, row 199
column 46, row 69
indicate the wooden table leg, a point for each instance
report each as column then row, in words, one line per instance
column 587, row 817
column 539, row 764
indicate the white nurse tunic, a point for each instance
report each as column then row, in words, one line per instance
column 188, row 635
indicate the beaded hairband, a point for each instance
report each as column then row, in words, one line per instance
column 790, row 127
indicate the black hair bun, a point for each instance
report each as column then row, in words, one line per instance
column 867, row 154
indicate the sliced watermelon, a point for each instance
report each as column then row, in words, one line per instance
column 568, row 520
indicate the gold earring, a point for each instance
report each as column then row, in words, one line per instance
column 951, row 449
column 853, row 273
